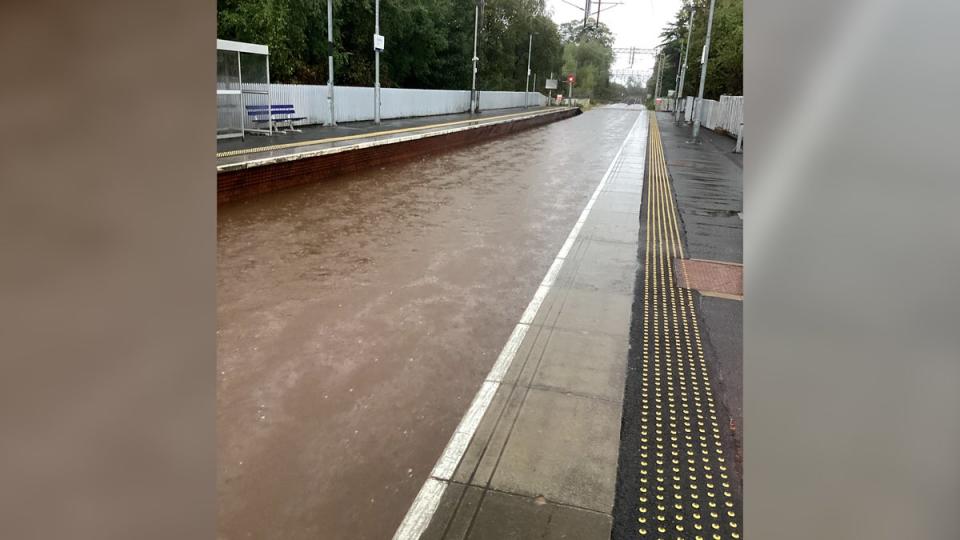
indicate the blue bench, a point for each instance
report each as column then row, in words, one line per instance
column 281, row 115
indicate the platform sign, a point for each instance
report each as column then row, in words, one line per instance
column 378, row 42
column 551, row 84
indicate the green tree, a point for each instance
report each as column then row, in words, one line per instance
column 574, row 31
column 429, row 43
column 588, row 56
column 725, row 62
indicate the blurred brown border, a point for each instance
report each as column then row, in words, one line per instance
column 107, row 202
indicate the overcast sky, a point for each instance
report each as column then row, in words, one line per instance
column 636, row 23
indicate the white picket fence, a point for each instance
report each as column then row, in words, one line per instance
column 725, row 115
column 353, row 103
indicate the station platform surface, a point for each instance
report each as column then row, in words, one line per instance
column 444, row 349
column 256, row 148
column 542, row 459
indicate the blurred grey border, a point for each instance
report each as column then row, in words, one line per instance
column 108, row 277
column 108, row 281
column 852, row 256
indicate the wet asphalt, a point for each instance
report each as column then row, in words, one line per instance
column 359, row 316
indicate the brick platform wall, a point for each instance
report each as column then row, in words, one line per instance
column 238, row 184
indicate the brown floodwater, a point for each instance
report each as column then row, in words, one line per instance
column 358, row 317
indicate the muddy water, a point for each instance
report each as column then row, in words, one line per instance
column 358, row 317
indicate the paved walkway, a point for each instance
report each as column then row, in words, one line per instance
column 678, row 477
column 359, row 316
column 708, row 181
column 232, row 151
column 536, row 454
column 606, row 413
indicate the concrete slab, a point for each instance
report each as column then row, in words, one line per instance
column 592, row 365
column 612, row 227
column 446, row 511
column 455, row 513
column 528, row 356
column 505, row 516
column 564, row 448
column 578, row 524
column 625, row 184
column 482, row 455
column 619, row 201
column 598, row 265
column 586, row 311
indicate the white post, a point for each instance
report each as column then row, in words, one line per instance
column 526, row 85
column 269, row 100
column 656, row 91
column 473, row 85
column 243, row 109
column 683, row 69
column 333, row 120
column 376, row 62
column 703, row 71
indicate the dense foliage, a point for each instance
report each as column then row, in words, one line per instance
column 429, row 43
column 588, row 53
column 725, row 62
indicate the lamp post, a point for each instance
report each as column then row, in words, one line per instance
column 333, row 121
column 683, row 70
column 376, row 62
column 474, row 102
column 656, row 92
column 526, row 86
column 703, row 74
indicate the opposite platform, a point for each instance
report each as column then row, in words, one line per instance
column 245, row 172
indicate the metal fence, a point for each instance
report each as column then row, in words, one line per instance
column 355, row 103
column 725, row 115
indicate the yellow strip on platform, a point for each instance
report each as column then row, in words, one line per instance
column 230, row 153
column 685, row 489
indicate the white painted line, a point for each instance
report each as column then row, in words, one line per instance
column 551, row 277
column 508, row 352
column 421, row 511
column 479, row 406
column 565, row 250
column 425, row 505
column 531, row 312
column 451, row 455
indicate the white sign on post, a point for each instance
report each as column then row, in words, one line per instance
column 378, row 42
column 551, row 84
